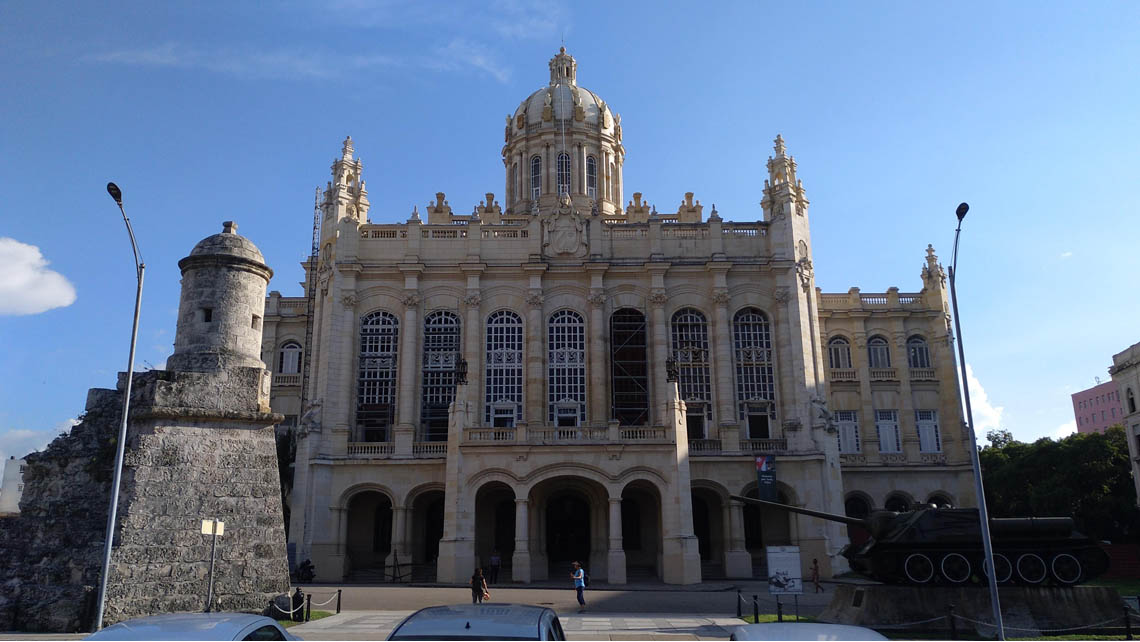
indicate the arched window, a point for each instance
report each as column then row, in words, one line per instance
column 629, row 372
column 504, row 370
column 566, row 369
column 1131, row 401
column 289, row 359
column 917, row 353
column 755, row 379
column 376, row 379
column 878, row 353
column 535, row 177
column 514, row 183
column 691, row 353
column 897, row 503
column 839, row 353
column 591, row 177
column 563, row 174
column 940, row 500
column 441, row 355
column 856, row 506
column 611, row 184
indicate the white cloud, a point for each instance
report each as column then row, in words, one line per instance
column 18, row 442
column 1066, row 254
column 1065, row 429
column 279, row 63
column 461, row 53
column 986, row 415
column 27, row 286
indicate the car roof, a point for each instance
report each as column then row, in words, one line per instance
column 488, row 620
column 182, row 626
column 804, row 631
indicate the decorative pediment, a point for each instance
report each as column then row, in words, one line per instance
column 564, row 231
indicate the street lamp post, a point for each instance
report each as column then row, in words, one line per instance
column 983, row 514
column 140, row 267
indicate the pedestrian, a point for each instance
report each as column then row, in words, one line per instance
column 479, row 590
column 579, row 577
column 815, row 575
column 496, row 564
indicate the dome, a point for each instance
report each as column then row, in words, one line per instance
column 229, row 242
column 563, row 96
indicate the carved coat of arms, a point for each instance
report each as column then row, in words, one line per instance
column 564, row 231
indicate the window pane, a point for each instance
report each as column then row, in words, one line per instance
column 503, row 369
column 535, row 177
column 440, row 356
column 755, row 378
column 691, row 352
column 376, row 379
column 563, row 173
column 566, row 365
column 629, row 372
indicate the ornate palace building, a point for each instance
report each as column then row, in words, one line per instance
column 569, row 375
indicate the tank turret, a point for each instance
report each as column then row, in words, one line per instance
column 944, row 545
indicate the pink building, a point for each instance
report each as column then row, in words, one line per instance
column 1097, row 408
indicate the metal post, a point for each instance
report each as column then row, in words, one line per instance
column 779, row 610
column 338, row 600
column 140, row 268
column 213, row 554
column 739, row 613
column 796, row 597
column 1127, row 624
column 953, row 624
column 308, row 607
column 755, row 609
column 983, row 514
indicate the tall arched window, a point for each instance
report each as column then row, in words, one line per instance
column 591, row 177
column 839, row 353
column 878, row 353
column 629, row 373
column 691, row 353
column 376, row 378
column 514, row 187
column 917, row 352
column 1131, row 401
column 441, row 355
column 289, row 359
column 535, row 177
column 563, row 173
column 566, row 369
column 755, row 379
column 504, row 370
column 611, row 184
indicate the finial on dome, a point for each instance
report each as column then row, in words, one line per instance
column 562, row 50
column 229, row 227
column 347, row 149
column 780, row 148
column 563, row 69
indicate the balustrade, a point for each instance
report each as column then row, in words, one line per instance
column 923, row 374
column 884, row 374
column 429, row 449
column 370, row 448
column 642, row 434
column 844, row 374
column 763, row 445
column 704, row 446
column 491, row 434
column 286, row 380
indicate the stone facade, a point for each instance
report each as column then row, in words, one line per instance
column 200, row 445
column 1125, row 373
column 501, row 380
column 13, row 486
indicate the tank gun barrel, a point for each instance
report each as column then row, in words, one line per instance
column 843, row 519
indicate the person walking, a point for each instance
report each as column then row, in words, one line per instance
column 496, row 564
column 479, row 590
column 579, row 577
column 815, row 575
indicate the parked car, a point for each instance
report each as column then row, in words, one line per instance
column 803, row 631
column 480, row 622
column 195, row 626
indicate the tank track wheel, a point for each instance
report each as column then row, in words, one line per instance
column 1066, row 569
column 918, row 568
column 1004, row 568
column 1031, row 569
column 955, row 568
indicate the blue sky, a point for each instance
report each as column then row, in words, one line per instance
column 896, row 112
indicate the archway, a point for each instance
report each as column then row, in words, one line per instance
column 641, row 531
column 495, row 526
column 426, row 531
column 569, row 521
column 765, row 527
column 708, row 526
column 898, row 502
column 856, row 505
column 368, row 535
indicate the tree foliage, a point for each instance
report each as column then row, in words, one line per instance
column 1087, row 476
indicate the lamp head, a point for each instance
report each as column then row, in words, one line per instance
column 115, row 193
column 961, row 211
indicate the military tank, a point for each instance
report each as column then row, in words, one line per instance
column 931, row 545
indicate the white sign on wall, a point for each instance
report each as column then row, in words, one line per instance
column 784, row 570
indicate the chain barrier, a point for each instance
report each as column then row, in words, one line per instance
column 1042, row 630
column 906, row 625
column 328, row 601
column 289, row 612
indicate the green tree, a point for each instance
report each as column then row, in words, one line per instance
column 1087, row 476
column 999, row 438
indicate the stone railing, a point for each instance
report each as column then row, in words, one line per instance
column 852, row 459
column 704, row 446
column 923, row 374
column 684, row 231
column 386, row 232
column 932, row 458
column 562, row 435
column 367, row 448
column 744, row 229
column 892, row 458
column 763, row 445
column 884, row 374
column 642, row 434
column 843, row 374
column 443, row 232
column 429, row 449
column 490, row 434
column 286, row 380
column 514, row 233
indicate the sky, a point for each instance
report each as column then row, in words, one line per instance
column 895, row 112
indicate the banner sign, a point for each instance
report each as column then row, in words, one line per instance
column 766, row 478
column 784, row 571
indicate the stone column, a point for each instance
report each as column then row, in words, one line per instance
column 615, row 561
column 725, row 395
column 399, row 538
column 520, row 561
column 657, row 383
column 681, row 557
column 908, row 427
column 535, row 358
column 473, row 353
column 599, row 379
column 737, row 559
column 867, row 433
column 408, row 360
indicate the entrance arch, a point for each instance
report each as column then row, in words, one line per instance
column 641, row 531
column 708, row 526
column 569, row 522
column 765, row 527
column 426, row 531
column 495, row 525
column 368, row 536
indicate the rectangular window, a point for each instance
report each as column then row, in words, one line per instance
column 929, row 438
column 255, row 323
column 758, row 425
column 848, row 423
column 887, row 427
column 208, row 315
column 695, row 421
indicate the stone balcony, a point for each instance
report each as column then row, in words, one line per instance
column 286, row 380
column 706, row 447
